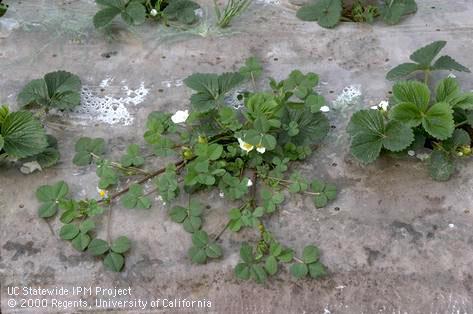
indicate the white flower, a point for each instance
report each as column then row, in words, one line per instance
column 451, row 225
column 245, row 146
column 325, row 109
column 384, row 105
column 153, row 12
column 374, row 107
column 250, row 183
column 260, row 149
column 451, row 75
column 180, row 116
column 221, row 194
column 411, row 153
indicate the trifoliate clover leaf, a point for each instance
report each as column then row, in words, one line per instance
column 271, row 200
column 271, row 265
column 93, row 208
column 202, row 248
column 135, row 198
column 121, row 245
column 370, row 134
column 167, row 184
column 69, row 232
column 107, row 174
column 59, row 90
column 132, row 156
column 393, row 11
column 98, row 247
column 211, row 88
column 51, row 196
column 209, row 151
column 189, row 217
column 114, row 261
column 233, row 187
column 86, row 148
column 134, row 13
column 158, row 123
column 325, row 193
column 163, row 147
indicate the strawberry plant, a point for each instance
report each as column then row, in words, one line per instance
column 439, row 118
column 135, row 12
column 329, row 13
column 243, row 154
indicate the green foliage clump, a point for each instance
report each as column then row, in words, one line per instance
column 328, row 13
column 60, row 90
column 418, row 117
column 135, row 12
column 24, row 139
column 243, row 154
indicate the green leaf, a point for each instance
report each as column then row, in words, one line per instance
column 197, row 255
column 85, row 149
column 211, row 88
column 310, row 254
column 192, row 224
column 69, row 232
column 114, row 261
column 258, row 273
column 213, row 250
column 134, row 198
column 271, row 265
column 447, row 90
column 317, row 270
column 441, row 166
column 98, row 247
column 412, row 92
column 22, row 135
column 392, row 11
column 369, row 135
column 326, row 12
column 448, row 63
column 200, row 239
column 134, row 14
column 426, row 54
column 182, row 11
column 313, row 127
column 178, row 214
column 107, row 174
column 81, row 241
column 402, row 71
column 121, row 245
column 299, row 270
column 58, row 89
column 167, row 184
column 132, row 157
column 86, row 226
column 438, row 121
column 51, row 196
column 246, row 253
column 242, row 271
column 252, row 68
column 105, row 16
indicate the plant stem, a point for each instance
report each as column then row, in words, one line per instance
column 109, row 224
column 121, row 167
column 426, row 77
column 298, row 260
column 178, row 164
column 461, row 123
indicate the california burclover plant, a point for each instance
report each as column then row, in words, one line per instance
column 245, row 155
column 135, row 12
column 329, row 13
column 419, row 117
